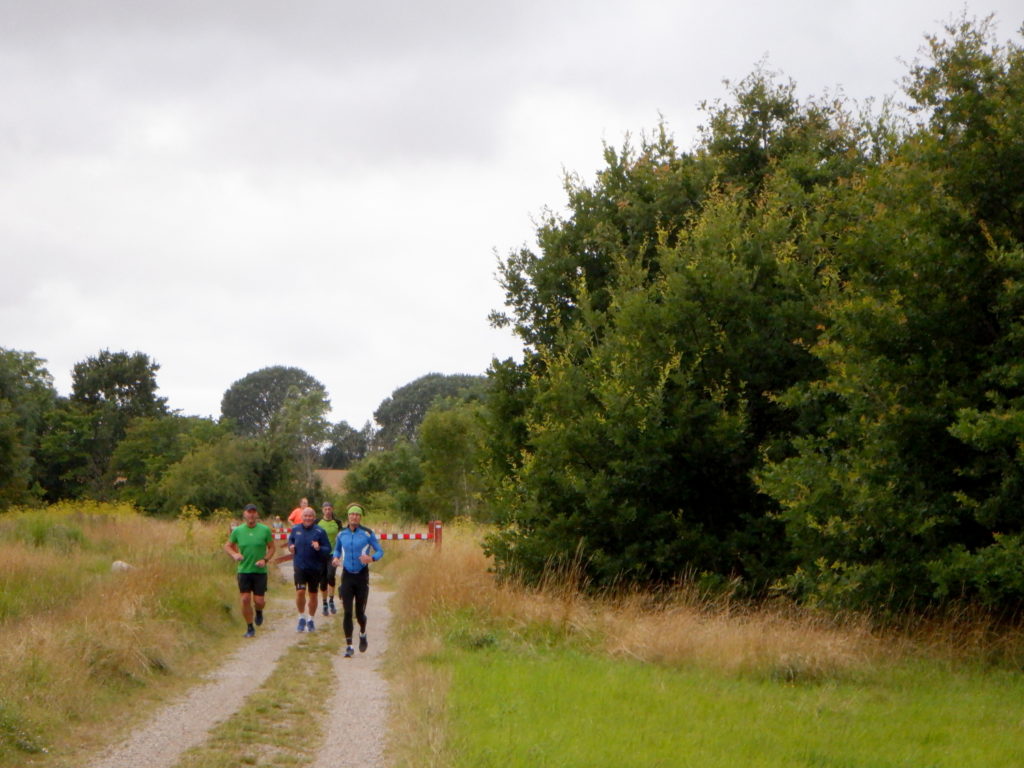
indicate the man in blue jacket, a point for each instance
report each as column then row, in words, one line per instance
column 354, row 549
column 310, row 546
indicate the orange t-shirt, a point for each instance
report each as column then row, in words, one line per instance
column 296, row 516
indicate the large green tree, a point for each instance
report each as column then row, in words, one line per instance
column 399, row 416
column 451, row 449
column 27, row 397
column 253, row 401
column 345, row 445
column 108, row 392
column 908, row 487
column 153, row 444
column 660, row 316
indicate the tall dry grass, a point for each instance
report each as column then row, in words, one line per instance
column 76, row 637
column 684, row 626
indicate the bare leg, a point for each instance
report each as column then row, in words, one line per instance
column 247, row 612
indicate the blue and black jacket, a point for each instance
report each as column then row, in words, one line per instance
column 302, row 538
column 349, row 545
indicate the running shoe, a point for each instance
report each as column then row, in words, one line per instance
column 362, row 644
column 350, row 652
column 302, row 625
column 310, row 627
column 333, row 609
column 325, row 609
column 259, row 618
column 250, row 633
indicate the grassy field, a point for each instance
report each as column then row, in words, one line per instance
column 496, row 675
column 82, row 647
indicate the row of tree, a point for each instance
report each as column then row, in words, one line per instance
column 114, row 437
column 793, row 354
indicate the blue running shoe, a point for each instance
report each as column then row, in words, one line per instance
column 331, row 606
column 325, row 609
column 310, row 627
column 350, row 652
column 302, row 625
column 250, row 632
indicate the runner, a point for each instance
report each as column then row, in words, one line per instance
column 310, row 546
column 251, row 545
column 330, row 578
column 352, row 552
column 295, row 518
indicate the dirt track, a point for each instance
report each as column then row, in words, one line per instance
column 360, row 700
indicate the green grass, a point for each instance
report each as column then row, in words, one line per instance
column 566, row 708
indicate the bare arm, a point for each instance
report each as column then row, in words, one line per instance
column 232, row 549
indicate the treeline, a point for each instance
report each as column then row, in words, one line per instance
column 114, row 438
column 793, row 355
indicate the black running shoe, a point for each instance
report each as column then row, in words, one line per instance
column 362, row 644
column 259, row 618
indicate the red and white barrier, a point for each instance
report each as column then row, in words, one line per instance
column 434, row 529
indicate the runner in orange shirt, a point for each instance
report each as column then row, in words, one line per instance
column 295, row 518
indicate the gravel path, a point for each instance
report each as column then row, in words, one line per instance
column 185, row 723
column 359, row 707
column 359, row 703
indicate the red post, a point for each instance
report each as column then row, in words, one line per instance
column 436, row 529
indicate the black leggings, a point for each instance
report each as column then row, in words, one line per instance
column 354, row 586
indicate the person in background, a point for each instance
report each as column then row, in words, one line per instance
column 309, row 546
column 330, row 577
column 354, row 549
column 251, row 545
column 295, row 518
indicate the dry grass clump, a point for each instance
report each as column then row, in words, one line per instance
column 790, row 645
column 777, row 640
column 680, row 627
column 75, row 636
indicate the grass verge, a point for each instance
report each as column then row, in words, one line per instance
column 86, row 651
column 498, row 675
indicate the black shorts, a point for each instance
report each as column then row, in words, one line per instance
column 308, row 578
column 329, row 577
column 253, row 582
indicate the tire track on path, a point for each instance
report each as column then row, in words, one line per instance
column 358, row 707
column 186, row 722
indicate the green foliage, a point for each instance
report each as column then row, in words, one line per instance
column 224, row 474
column 451, row 448
column 399, row 415
column 27, row 396
column 909, row 469
column 253, row 401
column 150, row 446
column 791, row 355
column 388, row 480
column 629, row 434
column 81, row 434
column 345, row 446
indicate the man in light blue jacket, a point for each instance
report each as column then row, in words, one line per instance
column 354, row 549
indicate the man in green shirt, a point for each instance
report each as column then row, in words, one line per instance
column 330, row 578
column 251, row 545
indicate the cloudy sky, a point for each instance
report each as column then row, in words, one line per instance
column 231, row 184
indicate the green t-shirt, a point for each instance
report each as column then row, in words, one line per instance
column 332, row 528
column 252, row 543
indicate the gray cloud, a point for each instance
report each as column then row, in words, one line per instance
column 229, row 185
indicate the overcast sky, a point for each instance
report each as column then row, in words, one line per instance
column 228, row 185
